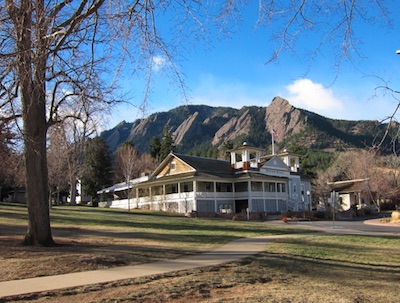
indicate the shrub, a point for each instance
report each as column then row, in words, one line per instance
column 320, row 215
column 395, row 216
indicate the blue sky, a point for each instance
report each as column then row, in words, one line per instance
column 233, row 72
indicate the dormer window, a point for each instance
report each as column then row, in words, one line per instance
column 173, row 165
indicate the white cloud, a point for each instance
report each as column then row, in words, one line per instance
column 306, row 94
column 352, row 101
column 158, row 63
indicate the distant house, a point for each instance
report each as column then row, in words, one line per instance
column 248, row 182
column 353, row 194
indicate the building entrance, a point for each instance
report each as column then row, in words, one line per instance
column 241, row 205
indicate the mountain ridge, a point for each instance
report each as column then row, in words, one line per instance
column 206, row 127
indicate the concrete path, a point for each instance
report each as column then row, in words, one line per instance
column 232, row 251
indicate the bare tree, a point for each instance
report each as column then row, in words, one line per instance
column 74, row 133
column 57, row 155
column 127, row 163
column 147, row 163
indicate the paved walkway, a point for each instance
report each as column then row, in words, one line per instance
column 232, row 251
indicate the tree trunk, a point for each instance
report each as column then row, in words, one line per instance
column 31, row 67
column 72, row 200
column 35, row 130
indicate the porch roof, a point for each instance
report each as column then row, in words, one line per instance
column 349, row 186
column 122, row 186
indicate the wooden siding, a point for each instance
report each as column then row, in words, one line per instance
column 180, row 167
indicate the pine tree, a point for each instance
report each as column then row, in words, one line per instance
column 167, row 143
column 155, row 147
column 97, row 172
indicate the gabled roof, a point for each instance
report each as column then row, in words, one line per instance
column 276, row 167
column 276, row 163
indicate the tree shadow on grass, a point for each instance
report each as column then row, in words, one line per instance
column 326, row 268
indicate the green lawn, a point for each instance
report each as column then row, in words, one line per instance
column 155, row 226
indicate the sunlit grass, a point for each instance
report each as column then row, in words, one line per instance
column 147, row 225
column 348, row 248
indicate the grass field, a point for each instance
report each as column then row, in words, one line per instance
column 303, row 268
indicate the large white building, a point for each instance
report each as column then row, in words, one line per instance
column 248, row 182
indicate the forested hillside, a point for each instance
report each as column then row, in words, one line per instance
column 204, row 130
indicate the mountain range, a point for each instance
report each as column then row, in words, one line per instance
column 201, row 127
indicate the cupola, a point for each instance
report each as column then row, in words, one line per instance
column 245, row 157
column 292, row 160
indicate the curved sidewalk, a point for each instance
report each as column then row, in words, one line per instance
column 229, row 252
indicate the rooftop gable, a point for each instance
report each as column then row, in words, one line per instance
column 276, row 167
column 172, row 165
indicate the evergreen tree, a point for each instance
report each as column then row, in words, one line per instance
column 155, row 147
column 225, row 150
column 167, row 143
column 97, row 171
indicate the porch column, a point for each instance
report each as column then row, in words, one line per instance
column 194, row 195
column 215, row 195
column 137, row 197
column 264, row 197
column 249, row 196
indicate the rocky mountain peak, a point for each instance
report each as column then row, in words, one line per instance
column 284, row 118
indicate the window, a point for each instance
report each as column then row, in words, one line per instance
column 186, row 187
column 241, row 187
column 171, row 188
column 270, row 187
column 256, row 186
column 281, row 187
column 223, row 187
column 173, row 165
column 206, row 187
column 157, row 190
column 209, row 187
column 143, row 192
